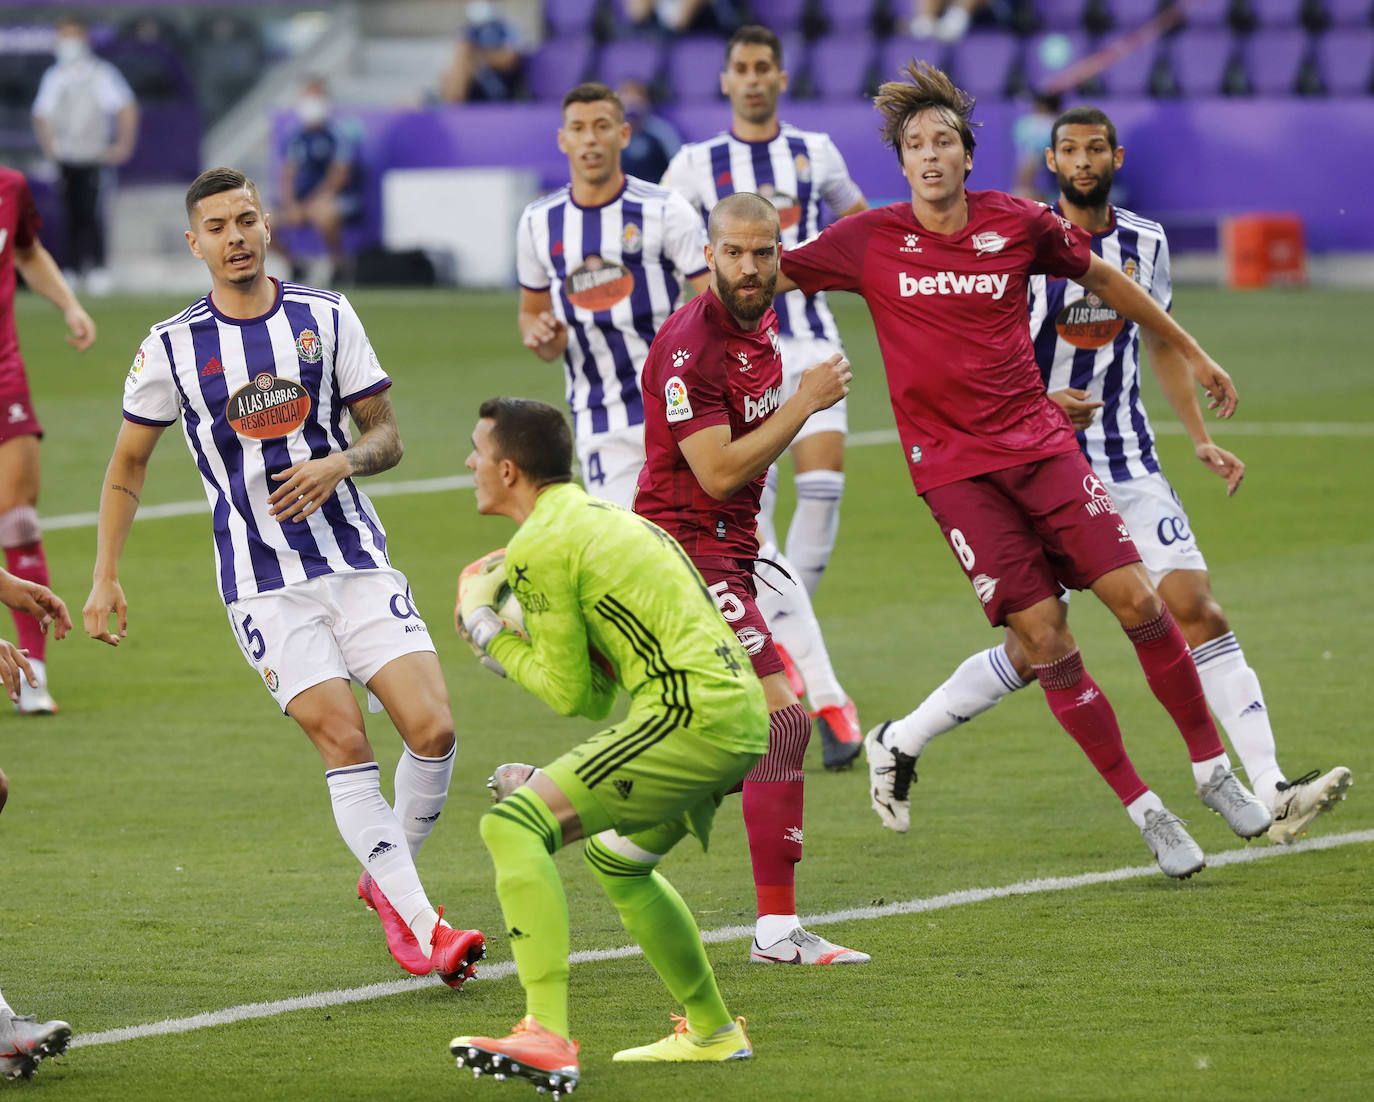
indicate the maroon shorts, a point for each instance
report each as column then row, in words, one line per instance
column 1022, row 533
column 734, row 591
column 17, row 417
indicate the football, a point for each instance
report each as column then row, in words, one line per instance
column 508, row 608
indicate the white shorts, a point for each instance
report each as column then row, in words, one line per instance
column 611, row 462
column 337, row 625
column 1158, row 523
column 799, row 353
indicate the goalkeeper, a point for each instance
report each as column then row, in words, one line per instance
column 609, row 600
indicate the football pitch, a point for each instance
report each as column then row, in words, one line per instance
column 172, row 884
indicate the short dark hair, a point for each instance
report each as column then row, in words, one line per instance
column 740, row 204
column 533, row 435
column 213, row 181
column 1083, row 116
column 926, row 88
column 754, row 35
column 592, row 91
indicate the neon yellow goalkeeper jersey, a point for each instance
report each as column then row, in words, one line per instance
column 589, row 573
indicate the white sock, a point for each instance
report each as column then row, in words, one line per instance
column 5, row 1007
column 421, row 790
column 770, row 929
column 1147, row 802
column 786, row 608
column 768, row 503
column 371, row 830
column 1235, row 697
column 815, row 524
column 1203, row 770
column 979, row 683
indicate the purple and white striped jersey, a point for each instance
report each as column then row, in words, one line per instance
column 614, row 273
column 1082, row 342
column 796, row 170
column 255, row 397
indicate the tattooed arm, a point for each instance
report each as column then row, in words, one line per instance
column 118, row 503
column 307, row 486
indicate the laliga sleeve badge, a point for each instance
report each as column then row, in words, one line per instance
column 675, row 395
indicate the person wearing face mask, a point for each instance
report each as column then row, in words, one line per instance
column 321, row 179
column 86, row 120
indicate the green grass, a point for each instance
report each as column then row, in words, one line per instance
column 169, row 849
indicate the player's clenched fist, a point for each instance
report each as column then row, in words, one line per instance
column 826, row 383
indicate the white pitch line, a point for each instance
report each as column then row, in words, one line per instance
column 874, row 438
column 506, row 969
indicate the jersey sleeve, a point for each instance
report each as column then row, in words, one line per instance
column 1162, row 281
column 555, row 664
column 831, row 261
column 28, row 222
column 1061, row 248
column 356, row 367
column 684, row 237
column 837, row 188
column 150, row 393
column 530, row 271
column 682, row 179
column 693, row 392
column 45, row 100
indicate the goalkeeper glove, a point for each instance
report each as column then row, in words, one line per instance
column 475, row 618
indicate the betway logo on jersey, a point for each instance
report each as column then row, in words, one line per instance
column 951, row 283
column 765, row 404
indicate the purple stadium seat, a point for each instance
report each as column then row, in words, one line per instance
column 1060, row 15
column 839, row 65
column 1199, row 60
column 848, row 17
column 982, row 61
column 897, row 51
column 1273, row 59
column 1217, row 13
column 1349, row 13
column 1130, row 14
column 1045, row 56
column 639, row 58
column 694, row 65
column 1346, row 61
column 1129, row 76
column 779, row 16
column 558, row 65
column 1277, row 14
column 567, row 18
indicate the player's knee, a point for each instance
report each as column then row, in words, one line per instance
column 19, row 526
column 1199, row 617
column 609, row 863
column 432, row 738
column 4, row 789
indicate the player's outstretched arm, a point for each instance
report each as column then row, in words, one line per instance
column 541, row 332
column 1176, row 382
column 1127, row 298
column 38, row 601
column 14, row 664
column 41, row 273
column 723, row 465
column 118, row 502
column 306, row 486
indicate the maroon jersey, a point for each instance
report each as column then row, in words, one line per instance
column 704, row 370
column 950, row 313
column 19, row 224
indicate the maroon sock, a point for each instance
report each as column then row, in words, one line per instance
column 773, row 803
column 1172, row 674
column 1084, row 712
column 27, row 561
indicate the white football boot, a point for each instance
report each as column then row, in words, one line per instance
column 1299, row 802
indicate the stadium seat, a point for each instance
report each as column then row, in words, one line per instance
column 846, row 16
column 1129, row 76
column 984, row 63
column 1214, row 13
column 1350, row 13
column 1060, row 15
column 1346, row 61
column 639, row 58
column 570, row 18
column 1050, row 52
column 1200, row 59
column 1276, row 14
column 897, row 51
column 558, row 65
column 693, row 67
column 1130, row 14
column 779, row 16
column 840, row 65
column 1273, row 60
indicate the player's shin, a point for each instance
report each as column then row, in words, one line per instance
column 24, row 558
column 656, row 917
column 977, row 685
column 773, row 808
column 421, row 792
column 1235, row 697
column 815, row 524
column 522, row 834
column 786, row 607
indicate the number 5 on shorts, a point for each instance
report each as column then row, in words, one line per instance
column 731, row 607
column 253, row 642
